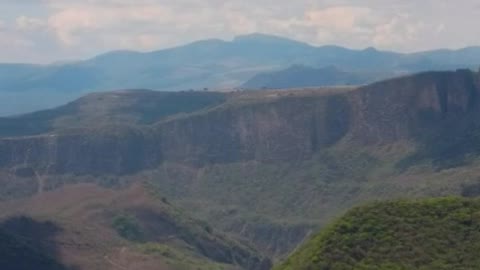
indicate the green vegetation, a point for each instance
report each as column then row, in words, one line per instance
column 159, row 229
column 442, row 233
column 274, row 205
column 180, row 259
column 158, row 249
column 129, row 108
column 128, row 227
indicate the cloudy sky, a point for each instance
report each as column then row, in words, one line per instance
column 43, row 31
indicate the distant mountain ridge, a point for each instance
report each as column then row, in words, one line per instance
column 203, row 64
column 298, row 76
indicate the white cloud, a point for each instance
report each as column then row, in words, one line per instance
column 25, row 23
column 398, row 32
column 338, row 18
column 73, row 24
column 56, row 29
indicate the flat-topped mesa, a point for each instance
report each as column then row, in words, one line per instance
column 270, row 127
column 287, row 128
column 295, row 127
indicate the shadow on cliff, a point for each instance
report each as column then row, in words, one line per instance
column 29, row 244
column 450, row 136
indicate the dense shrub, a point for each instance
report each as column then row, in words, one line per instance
column 128, row 227
column 430, row 234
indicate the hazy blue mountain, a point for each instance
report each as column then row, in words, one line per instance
column 298, row 76
column 203, row 64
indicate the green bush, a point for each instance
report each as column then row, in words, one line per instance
column 430, row 234
column 128, row 227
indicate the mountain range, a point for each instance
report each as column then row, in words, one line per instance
column 298, row 76
column 232, row 180
column 212, row 64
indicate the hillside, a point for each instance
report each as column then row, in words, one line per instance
column 426, row 234
column 271, row 167
column 302, row 76
column 127, row 107
column 88, row 227
column 214, row 64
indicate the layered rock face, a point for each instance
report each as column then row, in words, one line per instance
column 401, row 108
column 285, row 129
column 274, row 127
column 122, row 151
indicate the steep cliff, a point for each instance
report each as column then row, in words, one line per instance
column 268, row 127
column 403, row 108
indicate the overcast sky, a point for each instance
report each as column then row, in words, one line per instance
column 44, row 31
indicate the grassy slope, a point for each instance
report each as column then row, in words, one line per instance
column 129, row 107
column 277, row 205
column 427, row 234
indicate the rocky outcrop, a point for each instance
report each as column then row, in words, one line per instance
column 401, row 108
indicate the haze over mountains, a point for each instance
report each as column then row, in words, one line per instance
column 298, row 76
column 213, row 64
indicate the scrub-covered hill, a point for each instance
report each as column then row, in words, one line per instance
column 432, row 234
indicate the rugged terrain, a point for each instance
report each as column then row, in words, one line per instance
column 87, row 227
column 270, row 167
column 426, row 234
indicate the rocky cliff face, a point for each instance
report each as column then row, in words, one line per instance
column 285, row 129
column 401, row 108
column 116, row 151
column 273, row 127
